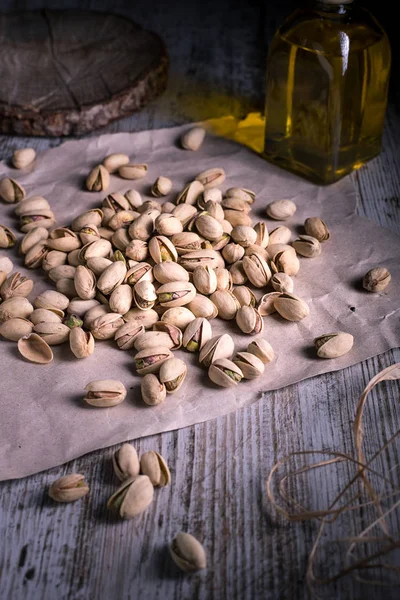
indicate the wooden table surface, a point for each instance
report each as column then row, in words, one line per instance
column 218, row 468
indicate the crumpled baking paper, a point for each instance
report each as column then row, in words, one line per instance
column 44, row 421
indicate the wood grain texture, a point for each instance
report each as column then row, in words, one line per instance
column 219, row 467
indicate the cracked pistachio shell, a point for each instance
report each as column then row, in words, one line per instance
column 155, row 339
column 250, row 365
column 202, row 306
column 15, row 307
column 133, row 171
column 15, row 329
column 215, row 209
column 137, row 250
column 89, row 217
column 23, row 158
column 40, row 315
column 244, row 295
column 161, row 187
column 51, row 299
column 141, row 271
column 63, row 239
column 224, row 279
column 81, row 342
column 122, row 218
column 85, row 283
column 112, row 277
column 167, row 224
column 98, row 310
column 150, row 360
column 73, row 321
column 167, row 272
column 52, row 333
column 162, row 249
column 8, row 238
column 69, row 488
column 186, row 242
column 282, row 282
column 257, row 270
column 259, row 250
column 176, row 293
column 11, row 191
column 232, row 253
column 147, row 318
column 291, row 307
column 280, row 235
column 88, row 234
column 187, row 552
column 376, row 280
column 244, row 235
column 307, row 246
column 81, row 307
column 62, row 272
column 98, row 179
column 32, row 238
column 249, row 320
column 114, row 161
column 172, row 374
column 209, row 227
column 132, row 497
column 273, row 249
column 286, row 262
column 225, row 373
column 179, row 316
column 205, row 279
column 262, row 350
column 74, row 258
column 220, row 346
column 197, row 258
column 242, row 193
column 99, row 248
column 333, row 345
column 316, row 228
column 104, row 327
column 121, row 298
column 236, row 205
column 266, row 304
column 144, row 295
column 226, row 303
column 197, row 334
column 262, row 234
column 127, row 334
column 280, row 210
column 185, row 213
column 116, row 202
column 35, row 257
column 104, row 393
column 213, row 177
column 126, row 462
column 190, row 193
column 155, row 467
column 193, row 138
column 153, row 391
column 209, row 195
column 174, row 332
column 16, row 285
column 31, row 206
column 33, row 348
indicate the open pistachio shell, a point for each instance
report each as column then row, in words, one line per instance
column 35, row 349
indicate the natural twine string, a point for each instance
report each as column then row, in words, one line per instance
column 358, row 485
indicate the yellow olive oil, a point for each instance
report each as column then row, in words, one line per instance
column 327, row 83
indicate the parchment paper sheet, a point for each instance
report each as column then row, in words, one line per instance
column 43, row 420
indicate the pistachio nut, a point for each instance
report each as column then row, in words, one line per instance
column 142, row 228
column 186, row 242
column 112, row 277
column 67, row 287
column 23, row 158
column 307, row 246
column 62, row 272
column 123, row 218
column 197, row 258
column 176, row 293
column 144, row 295
column 151, row 207
column 262, row 350
column 250, row 365
column 16, row 285
column 132, row 171
column 69, row 488
column 153, row 392
column 282, row 282
column 187, row 552
column 266, row 304
column 114, row 161
column 52, row 333
column 132, row 497
column 90, row 315
column 31, row 206
column 126, row 462
column 249, row 320
column 74, row 258
column 214, row 209
column 141, row 271
column 193, row 138
column 167, row 224
column 220, row 346
column 6, row 265
column 11, row 191
column 333, row 345
column 8, row 239
column 104, row 327
column 85, row 283
column 63, row 239
column 116, row 202
column 100, row 248
column 137, row 250
column 213, row 195
column 257, row 270
column 244, row 235
column 71, row 321
column 167, row 272
column 161, row 187
column 179, row 316
column 226, row 303
column 211, row 177
column 285, row 261
column 236, row 205
column 174, row 332
column 204, row 279
column 150, row 360
column 98, row 265
column 203, row 307
column 93, row 216
column 185, row 213
column 224, row 279
column 81, row 307
column 162, row 249
column 155, row 339
column 81, row 342
column 291, row 307
column 51, row 299
column 14, row 329
column 315, row 227
column 15, row 307
column 197, row 334
column 134, row 199
column 280, row 235
column 154, row 466
column 121, row 298
column 40, row 315
column 32, row 238
column 225, row 373
column 33, row 348
column 167, row 207
column 190, row 193
column 105, row 393
column 232, row 253
column 98, row 179
column 241, row 193
column 208, row 227
column 273, row 249
column 244, row 295
column 262, row 234
column 255, row 249
column 147, row 318
column 376, row 280
column 172, row 374
column 36, row 255
column 280, row 210
column 127, row 334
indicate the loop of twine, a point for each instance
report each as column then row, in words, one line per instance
column 359, row 483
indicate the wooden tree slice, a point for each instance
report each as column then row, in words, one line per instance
column 69, row 72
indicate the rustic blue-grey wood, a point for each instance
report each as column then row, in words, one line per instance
column 218, row 468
